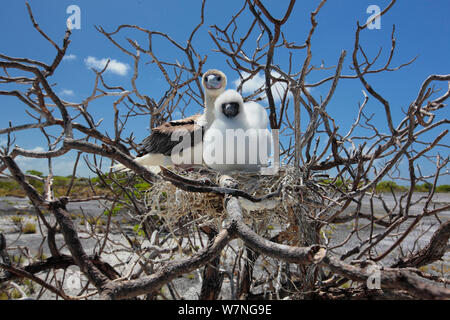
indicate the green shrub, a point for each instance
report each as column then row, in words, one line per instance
column 15, row 294
column 16, row 219
column 138, row 229
column 443, row 188
column 426, row 187
column 18, row 259
column 59, row 181
column 34, row 173
column 144, row 186
column 345, row 285
column 29, row 228
column 388, row 186
column 42, row 257
column 114, row 211
column 339, row 183
column 39, row 185
column 8, row 185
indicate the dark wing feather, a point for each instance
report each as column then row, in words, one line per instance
column 159, row 141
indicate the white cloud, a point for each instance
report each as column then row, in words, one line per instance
column 251, row 85
column 114, row 66
column 69, row 57
column 176, row 115
column 26, row 164
column 25, row 160
column 37, row 149
column 259, row 81
column 67, row 92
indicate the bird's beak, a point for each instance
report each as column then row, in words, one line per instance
column 213, row 81
column 230, row 109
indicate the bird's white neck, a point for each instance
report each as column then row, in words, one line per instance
column 209, row 110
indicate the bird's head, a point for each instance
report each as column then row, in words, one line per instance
column 229, row 105
column 214, row 82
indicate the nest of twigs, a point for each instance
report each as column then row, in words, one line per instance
column 177, row 209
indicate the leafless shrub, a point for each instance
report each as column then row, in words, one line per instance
column 189, row 221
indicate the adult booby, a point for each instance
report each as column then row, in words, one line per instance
column 158, row 147
column 238, row 138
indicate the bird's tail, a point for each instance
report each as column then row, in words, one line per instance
column 151, row 161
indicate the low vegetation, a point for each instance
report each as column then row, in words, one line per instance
column 29, row 228
column 81, row 187
column 85, row 187
column 388, row 186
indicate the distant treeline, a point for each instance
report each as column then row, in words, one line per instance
column 80, row 186
column 389, row 186
column 83, row 187
column 386, row 186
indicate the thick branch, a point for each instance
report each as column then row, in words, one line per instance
column 389, row 279
column 433, row 251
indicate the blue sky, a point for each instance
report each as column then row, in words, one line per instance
column 422, row 29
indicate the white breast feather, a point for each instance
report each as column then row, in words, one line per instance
column 240, row 154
